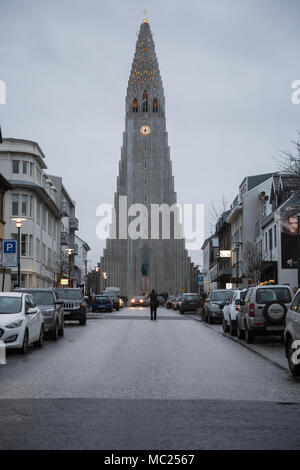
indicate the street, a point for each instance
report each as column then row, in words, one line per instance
column 125, row 381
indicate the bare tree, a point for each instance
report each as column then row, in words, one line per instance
column 215, row 212
column 252, row 261
column 289, row 163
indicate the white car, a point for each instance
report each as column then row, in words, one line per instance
column 231, row 309
column 21, row 321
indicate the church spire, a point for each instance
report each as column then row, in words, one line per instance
column 145, row 68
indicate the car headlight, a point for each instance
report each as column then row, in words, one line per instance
column 215, row 307
column 48, row 313
column 14, row 324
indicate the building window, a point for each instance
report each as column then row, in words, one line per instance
column 31, row 206
column 15, row 204
column 38, row 212
column 271, row 239
column 38, row 175
column 266, row 241
column 25, row 167
column 275, row 236
column 14, row 280
column 145, row 102
column 44, row 212
column 31, row 169
column 24, row 204
column 135, row 106
column 16, row 166
column 145, row 149
column 145, row 166
column 38, row 249
column 49, row 259
column 44, row 253
column 155, row 105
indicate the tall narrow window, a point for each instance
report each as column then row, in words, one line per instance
column 15, row 204
column 145, row 102
column 155, row 105
column 135, row 106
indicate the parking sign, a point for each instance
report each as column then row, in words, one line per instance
column 9, row 253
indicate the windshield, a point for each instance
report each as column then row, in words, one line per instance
column 42, row 298
column 10, row 305
column 219, row 296
column 101, row 297
column 270, row 295
column 191, row 297
column 69, row 294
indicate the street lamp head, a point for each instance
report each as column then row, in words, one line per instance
column 19, row 221
column 69, row 251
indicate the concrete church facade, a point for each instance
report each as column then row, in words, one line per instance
column 145, row 177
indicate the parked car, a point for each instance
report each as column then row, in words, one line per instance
column 51, row 308
column 21, row 321
column 231, row 309
column 190, row 303
column 138, row 301
column 74, row 304
column 176, row 303
column 263, row 311
column 292, row 334
column 161, row 300
column 169, row 301
column 114, row 298
column 102, row 303
column 214, row 304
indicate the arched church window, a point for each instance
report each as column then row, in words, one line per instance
column 135, row 106
column 155, row 105
column 145, row 102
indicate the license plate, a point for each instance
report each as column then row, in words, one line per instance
column 275, row 328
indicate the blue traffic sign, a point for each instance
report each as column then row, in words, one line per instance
column 9, row 253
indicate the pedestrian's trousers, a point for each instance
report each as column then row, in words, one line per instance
column 153, row 311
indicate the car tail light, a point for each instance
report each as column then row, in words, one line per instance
column 238, row 308
column 251, row 310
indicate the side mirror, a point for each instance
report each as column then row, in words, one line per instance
column 31, row 310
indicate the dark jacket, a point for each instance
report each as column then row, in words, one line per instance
column 153, row 299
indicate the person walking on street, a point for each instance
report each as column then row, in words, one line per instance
column 153, row 304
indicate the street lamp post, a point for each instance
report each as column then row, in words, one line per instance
column 105, row 276
column 70, row 252
column 19, row 221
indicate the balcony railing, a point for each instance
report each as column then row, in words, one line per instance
column 65, row 209
column 64, row 238
column 73, row 223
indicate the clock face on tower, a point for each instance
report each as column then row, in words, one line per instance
column 145, row 129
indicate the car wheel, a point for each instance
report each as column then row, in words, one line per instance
column 209, row 319
column 54, row 333
column 240, row 333
column 224, row 325
column 61, row 331
column 294, row 368
column 117, row 309
column 24, row 348
column 40, row 341
column 232, row 329
column 249, row 335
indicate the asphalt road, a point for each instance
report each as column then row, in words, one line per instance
column 125, row 382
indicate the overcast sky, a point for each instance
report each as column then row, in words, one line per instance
column 227, row 68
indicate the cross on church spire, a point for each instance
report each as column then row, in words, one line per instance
column 145, row 13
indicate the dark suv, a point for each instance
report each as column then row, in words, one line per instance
column 51, row 308
column 213, row 307
column 114, row 298
column 190, row 303
column 74, row 304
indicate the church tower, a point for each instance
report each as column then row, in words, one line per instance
column 145, row 177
